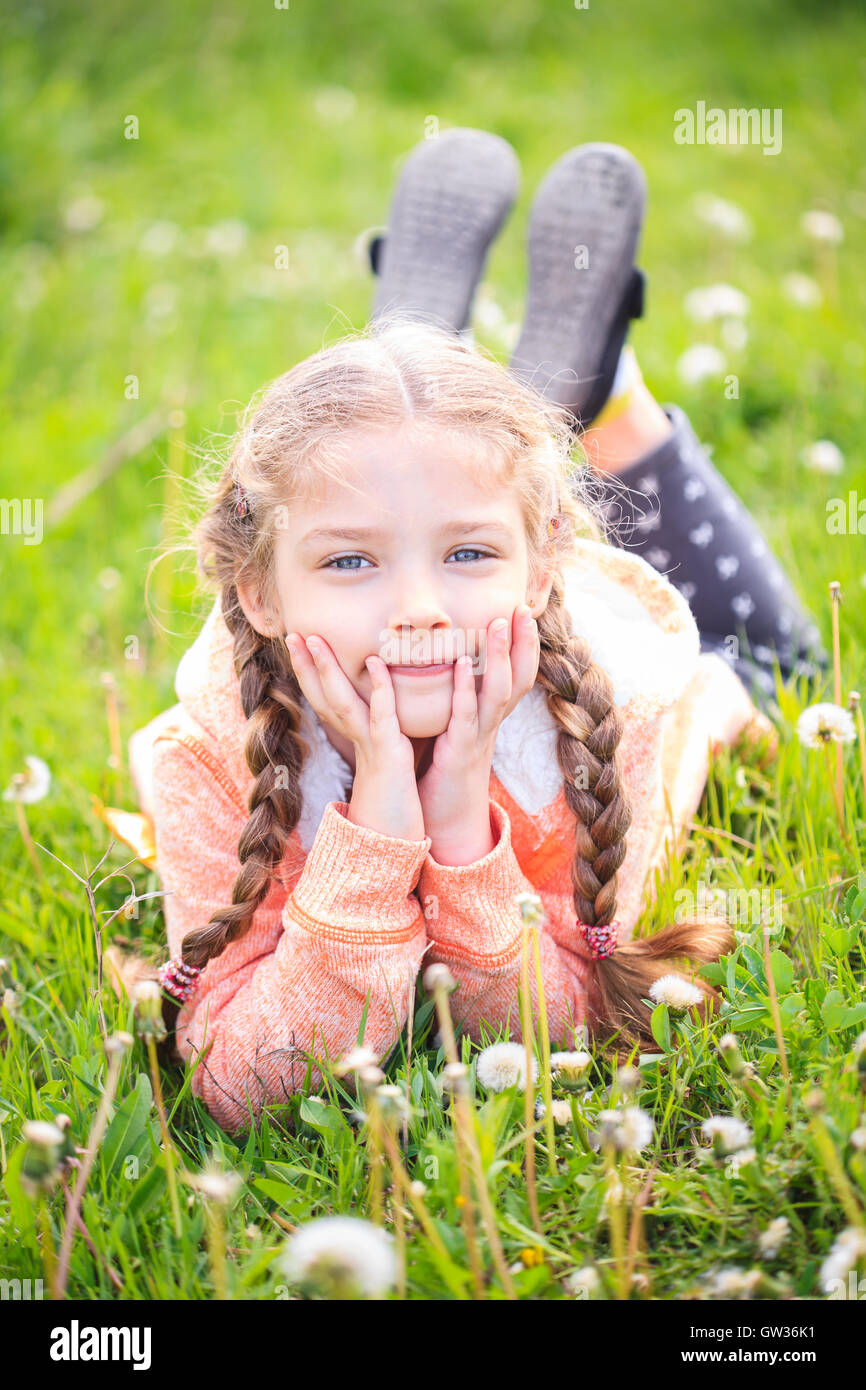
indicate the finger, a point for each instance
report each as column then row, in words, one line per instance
column 497, row 682
column 383, row 701
column 305, row 671
column 525, row 653
column 463, row 724
column 343, row 706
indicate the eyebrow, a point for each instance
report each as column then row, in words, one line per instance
column 372, row 533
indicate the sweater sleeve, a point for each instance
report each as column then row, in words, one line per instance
column 475, row 928
column 294, row 986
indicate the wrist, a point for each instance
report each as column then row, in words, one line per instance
column 463, row 842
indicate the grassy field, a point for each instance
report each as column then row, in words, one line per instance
column 139, row 289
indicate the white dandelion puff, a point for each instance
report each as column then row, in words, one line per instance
column 226, row 238
column 83, row 213
column 502, row 1065
column 727, row 1133
column 802, row 290
column 819, row 225
column 699, row 362
column 629, row 1129
column 341, row 1256
column 31, row 785
column 675, row 991
column 724, row 217
column 825, row 723
column 848, row 1249
column 582, row 1283
column 738, row 1160
column 770, row 1241
column 735, row 1283
column 709, row 302
column 823, row 457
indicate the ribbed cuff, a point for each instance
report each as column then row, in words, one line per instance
column 357, row 882
column 474, row 911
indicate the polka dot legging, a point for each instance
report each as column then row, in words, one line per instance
column 681, row 516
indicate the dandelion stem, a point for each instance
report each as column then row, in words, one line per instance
column 401, row 1177
column 374, row 1150
column 836, row 598
column 635, row 1228
column 73, row 1207
column 49, row 1255
column 528, row 1106
column 839, row 805
column 546, row 1083
column 216, row 1249
column 861, row 744
column 836, row 1172
column 166, row 1137
column 466, row 1128
column 615, row 1220
column 28, row 839
column 97, row 1254
column 777, row 1017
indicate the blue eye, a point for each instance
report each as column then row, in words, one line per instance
column 332, row 564
column 470, row 550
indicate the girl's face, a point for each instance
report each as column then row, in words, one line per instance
column 411, row 562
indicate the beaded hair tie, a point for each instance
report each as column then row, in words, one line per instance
column 600, row 940
column 242, row 505
column 178, row 979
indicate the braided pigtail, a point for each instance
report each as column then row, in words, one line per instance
column 580, row 698
column 275, row 753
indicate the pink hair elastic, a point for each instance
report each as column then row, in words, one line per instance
column 600, row 940
column 178, row 979
column 242, row 506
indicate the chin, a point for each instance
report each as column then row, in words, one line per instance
column 417, row 722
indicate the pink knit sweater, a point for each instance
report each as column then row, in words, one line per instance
column 352, row 912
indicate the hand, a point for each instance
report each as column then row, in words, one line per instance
column 384, row 792
column 454, row 792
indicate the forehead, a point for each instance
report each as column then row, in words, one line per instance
column 417, row 468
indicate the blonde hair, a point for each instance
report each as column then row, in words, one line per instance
column 395, row 371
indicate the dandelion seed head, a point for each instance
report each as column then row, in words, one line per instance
column 582, row 1283
column 675, row 991
column 341, row 1253
column 716, row 302
column 727, row 1133
column 31, row 785
column 825, row 723
column 503, row 1065
column 823, row 456
column 819, row 225
column 735, row 1283
column 770, row 1241
column 847, row 1250
column 699, row 362
column 802, row 290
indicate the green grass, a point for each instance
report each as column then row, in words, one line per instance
column 236, row 122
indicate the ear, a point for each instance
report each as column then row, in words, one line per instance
column 258, row 613
column 537, row 600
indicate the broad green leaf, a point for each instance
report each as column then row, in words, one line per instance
column 660, row 1024
column 128, row 1124
column 783, row 971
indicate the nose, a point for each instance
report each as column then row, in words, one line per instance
column 417, row 606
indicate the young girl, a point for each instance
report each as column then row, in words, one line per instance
column 339, row 797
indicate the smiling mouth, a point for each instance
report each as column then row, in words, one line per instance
column 421, row 668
